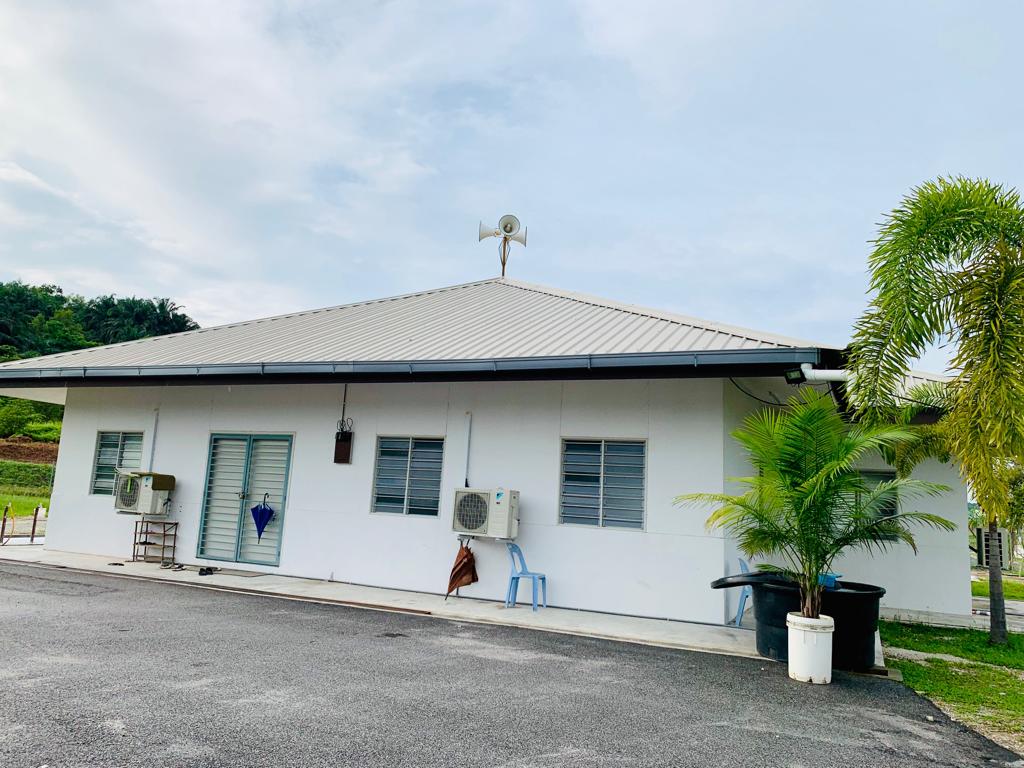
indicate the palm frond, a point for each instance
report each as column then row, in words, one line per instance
column 809, row 501
column 922, row 248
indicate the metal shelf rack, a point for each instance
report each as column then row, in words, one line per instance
column 155, row 541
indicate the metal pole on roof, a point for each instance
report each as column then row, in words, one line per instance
column 503, row 251
column 508, row 229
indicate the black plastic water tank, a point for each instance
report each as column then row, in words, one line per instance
column 853, row 607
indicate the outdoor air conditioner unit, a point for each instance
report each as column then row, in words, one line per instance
column 142, row 493
column 489, row 513
column 984, row 542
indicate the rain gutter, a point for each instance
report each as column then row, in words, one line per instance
column 614, row 365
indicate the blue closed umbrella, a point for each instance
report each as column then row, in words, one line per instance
column 262, row 514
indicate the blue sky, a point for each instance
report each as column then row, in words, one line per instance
column 725, row 160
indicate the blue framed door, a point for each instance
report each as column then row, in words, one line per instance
column 241, row 469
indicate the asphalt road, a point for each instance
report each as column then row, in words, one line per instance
column 105, row 671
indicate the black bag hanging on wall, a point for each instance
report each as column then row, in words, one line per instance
column 343, row 447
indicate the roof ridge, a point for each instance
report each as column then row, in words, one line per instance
column 284, row 316
column 660, row 314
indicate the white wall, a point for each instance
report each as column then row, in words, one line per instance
column 329, row 531
column 937, row 578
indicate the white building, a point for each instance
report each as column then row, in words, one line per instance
column 598, row 413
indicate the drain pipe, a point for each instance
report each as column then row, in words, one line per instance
column 469, row 441
column 810, row 373
column 152, row 441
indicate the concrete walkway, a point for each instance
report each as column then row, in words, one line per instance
column 20, row 528
column 658, row 632
column 977, row 620
column 1013, row 607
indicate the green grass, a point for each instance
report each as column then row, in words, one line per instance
column 969, row 644
column 989, row 696
column 23, row 499
column 985, row 690
column 1013, row 589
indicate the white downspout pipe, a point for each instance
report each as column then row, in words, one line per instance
column 469, row 441
column 152, row 441
column 823, row 374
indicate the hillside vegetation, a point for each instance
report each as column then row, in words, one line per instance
column 43, row 320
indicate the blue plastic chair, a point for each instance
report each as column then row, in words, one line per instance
column 520, row 571
column 745, row 592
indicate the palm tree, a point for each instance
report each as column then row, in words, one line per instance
column 807, row 501
column 948, row 264
column 924, row 410
column 111, row 320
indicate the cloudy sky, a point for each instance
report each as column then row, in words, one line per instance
column 727, row 160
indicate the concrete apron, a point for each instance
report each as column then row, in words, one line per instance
column 977, row 619
column 658, row 632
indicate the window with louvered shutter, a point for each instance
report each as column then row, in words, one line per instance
column 114, row 450
column 873, row 480
column 407, row 478
column 603, row 483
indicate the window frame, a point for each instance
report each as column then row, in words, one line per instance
column 405, row 513
column 601, row 524
column 881, row 476
column 120, row 451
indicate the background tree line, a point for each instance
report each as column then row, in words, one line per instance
column 43, row 320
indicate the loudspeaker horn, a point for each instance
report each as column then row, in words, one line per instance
column 520, row 237
column 488, row 231
column 508, row 225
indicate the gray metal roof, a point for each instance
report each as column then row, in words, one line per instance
column 497, row 319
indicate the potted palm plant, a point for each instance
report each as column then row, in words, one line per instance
column 807, row 501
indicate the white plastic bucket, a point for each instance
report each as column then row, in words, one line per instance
column 810, row 648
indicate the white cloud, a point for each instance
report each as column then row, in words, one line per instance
column 195, row 129
column 673, row 48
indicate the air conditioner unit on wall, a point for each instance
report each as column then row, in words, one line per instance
column 983, row 540
column 489, row 513
column 142, row 493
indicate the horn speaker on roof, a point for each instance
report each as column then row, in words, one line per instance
column 486, row 232
column 508, row 224
column 509, row 230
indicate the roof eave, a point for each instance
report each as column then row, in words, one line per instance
column 626, row 365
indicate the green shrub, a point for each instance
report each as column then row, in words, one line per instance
column 43, row 431
column 14, row 415
column 48, row 411
column 25, row 474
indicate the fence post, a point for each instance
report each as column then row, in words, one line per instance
column 35, row 518
column 3, row 524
